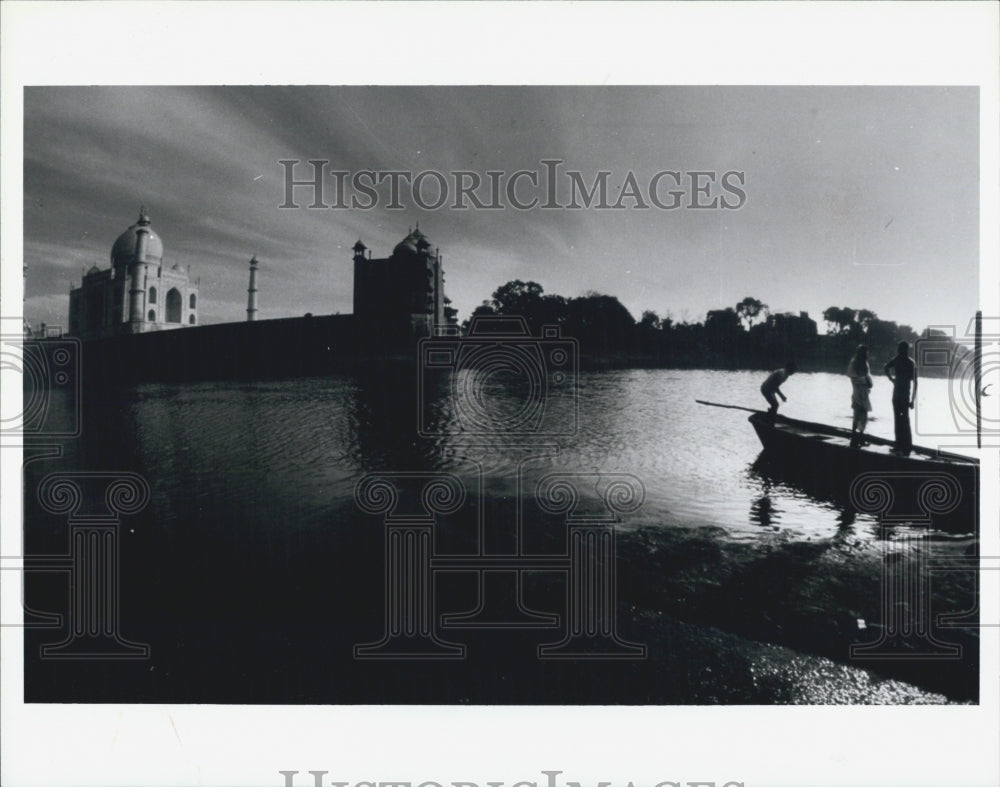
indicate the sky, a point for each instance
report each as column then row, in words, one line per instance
column 854, row 196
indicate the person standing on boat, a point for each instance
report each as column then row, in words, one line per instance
column 771, row 387
column 902, row 371
column 861, row 383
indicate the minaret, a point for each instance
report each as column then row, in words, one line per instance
column 359, row 251
column 252, row 291
column 360, row 278
column 136, row 292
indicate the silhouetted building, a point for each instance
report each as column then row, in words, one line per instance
column 400, row 294
column 136, row 294
column 396, row 299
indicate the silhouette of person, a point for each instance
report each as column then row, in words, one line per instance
column 861, row 383
column 902, row 371
column 771, row 387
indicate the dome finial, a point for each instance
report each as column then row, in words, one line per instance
column 143, row 216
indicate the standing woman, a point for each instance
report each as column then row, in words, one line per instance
column 861, row 384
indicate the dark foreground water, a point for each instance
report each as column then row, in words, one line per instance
column 255, row 572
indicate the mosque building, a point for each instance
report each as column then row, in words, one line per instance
column 397, row 299
column 137, row 294
column 403, row 292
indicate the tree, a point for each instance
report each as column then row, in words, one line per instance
column 517, row 297
column 524, row 299
column 484, row 308
column 882, row 337
column 723, row 320
column 722, row 329
column 839, row 319
column 650, row 321
column 600, row 323
column 788, row 336
column 549, row 310
column 749, row 309
column 907, row 334
column 450, row 312
column 865, row 318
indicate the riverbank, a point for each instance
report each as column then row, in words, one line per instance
column 252, row 572
column 259, row 616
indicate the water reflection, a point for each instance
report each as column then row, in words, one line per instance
column 781, row 483
column 253, row 543
column 382, row 407
column 311, row 439
column 763, row 512
column 794, row 482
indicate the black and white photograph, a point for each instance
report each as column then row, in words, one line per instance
column 571, row 397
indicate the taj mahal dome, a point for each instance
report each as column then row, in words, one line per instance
column 137, row 294
column 397, row 299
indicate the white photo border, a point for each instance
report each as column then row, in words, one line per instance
column 213, row 43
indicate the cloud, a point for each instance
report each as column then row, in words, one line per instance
column 826, row 168
column 53, row 310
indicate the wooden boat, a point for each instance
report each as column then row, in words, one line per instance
column 826, row 454
column 818, row 456
column 831, row 447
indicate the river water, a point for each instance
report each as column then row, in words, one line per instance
column 253, row 572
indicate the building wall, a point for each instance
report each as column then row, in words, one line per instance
column 164, row 281
column 400, row 295
column 291, row 347
column 396, row 299
column 100, row 306
column 93, row 306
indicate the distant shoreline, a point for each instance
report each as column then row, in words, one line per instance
column 609, row 362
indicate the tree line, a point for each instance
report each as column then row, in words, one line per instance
column 747, row 335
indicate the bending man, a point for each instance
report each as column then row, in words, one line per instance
column 772, row 386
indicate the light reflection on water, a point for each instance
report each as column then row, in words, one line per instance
column 303, row 444
column 252, row 534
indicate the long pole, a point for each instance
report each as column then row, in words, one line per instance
column 728, row 406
